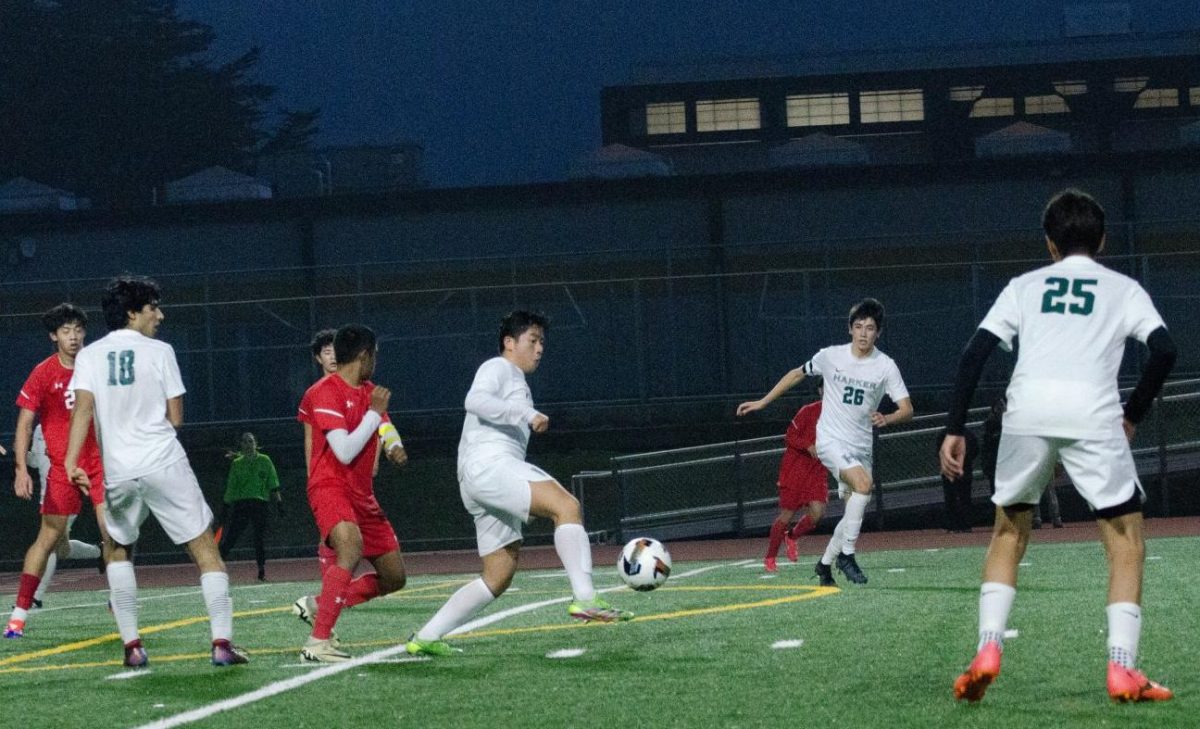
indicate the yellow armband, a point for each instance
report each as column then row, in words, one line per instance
column 390, row 437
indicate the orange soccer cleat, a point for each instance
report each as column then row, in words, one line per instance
column 972, row 684
column 1130, row 684
column 792, row 547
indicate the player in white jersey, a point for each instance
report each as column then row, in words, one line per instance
column 857, row 376
column 502, row 491
column 1072, row 318
column 130, row 383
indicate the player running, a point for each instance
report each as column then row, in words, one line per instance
column 1072, row 318
column 130, row 383
column 347, row 413
column 45, row 397
column 857, row 375
column 803, row 483
column 502, row 491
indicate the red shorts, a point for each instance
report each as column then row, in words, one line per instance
column 802, row 480
column 332, row 504
column 63, row 498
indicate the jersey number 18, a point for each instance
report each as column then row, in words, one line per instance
column 120, row 368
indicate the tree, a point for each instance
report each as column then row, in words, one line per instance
column 111, row 99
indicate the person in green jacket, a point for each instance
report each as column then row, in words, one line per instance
column 252, row 483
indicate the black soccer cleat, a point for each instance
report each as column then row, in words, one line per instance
column 849, row 567
column 825, row 574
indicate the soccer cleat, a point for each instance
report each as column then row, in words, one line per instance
column 769, row 564
column 305, row 608
column 135, row 654
column 972, row 684
column 323, row 651
column 225, row 653
column 849, row 567
column 597, row 610
column 1130, row 684
column 792, row 547
column 825, row 573
column 417, row 647
column 15, row 629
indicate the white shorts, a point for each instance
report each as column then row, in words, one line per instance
column 172, row 495
column 1102, row 471
column 497, row 495
column 837, row 456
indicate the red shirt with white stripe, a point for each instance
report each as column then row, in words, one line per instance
column 45, row 393
column 332, row 404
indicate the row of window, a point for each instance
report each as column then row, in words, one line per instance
column 832, row 109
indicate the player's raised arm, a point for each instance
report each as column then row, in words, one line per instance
column 787, row 382
column 970, row 368
column 22, row 481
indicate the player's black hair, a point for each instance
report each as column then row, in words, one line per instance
column 352, row 340
column 515, row 324
column 64, row 313
column 125, row 294
column 1075, row 222
column 321, row 340
column 867, row 309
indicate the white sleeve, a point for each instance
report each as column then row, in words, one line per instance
column 1141, row 318
column 81, row 377
column 484, row 400
column 1004, row 318
column 347, row 446
column 172, row 379
column 894, row 383
column 816, row 366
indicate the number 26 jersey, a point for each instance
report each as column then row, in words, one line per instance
column 853, row 388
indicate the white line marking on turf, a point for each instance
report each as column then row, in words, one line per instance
column 779, row 644
column 1012, row 633
column 160, row 706
column 1155, row 557
column 766, row 577
column 896, row 569
column 1025, row 564
column 128, row 674
column 279, row 687
column 567, row 653
column 935, row 549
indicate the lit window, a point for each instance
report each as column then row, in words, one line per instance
column 666, row 118
column 1049, row 104
column 993, row 107
column 818, row 110
column 965, row 93
column 891, row 106
column 1130, row 84
column 1070, row 88
column 719, row 115
column 1157, row 99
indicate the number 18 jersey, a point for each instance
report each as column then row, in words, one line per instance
column 1072, row 319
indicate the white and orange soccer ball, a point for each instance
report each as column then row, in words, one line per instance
column 644, row 564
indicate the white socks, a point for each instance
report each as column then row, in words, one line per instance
column 215, row 586
column 995, row 603
column 571, row 543
column 122, row 586
column 852, row 519
column 464, row 603
column 47, row 575
column 834, row 548
column 1124, row 632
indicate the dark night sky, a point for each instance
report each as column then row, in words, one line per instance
column 508, row 92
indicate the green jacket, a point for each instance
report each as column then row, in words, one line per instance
column 251, row 478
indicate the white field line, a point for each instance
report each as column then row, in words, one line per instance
column 168, row 596
column 128, row 674
column 279, row 687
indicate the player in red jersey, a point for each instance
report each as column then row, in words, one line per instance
column 322, row 353
column 46, row 397
column 347, row 412
column 803, row 483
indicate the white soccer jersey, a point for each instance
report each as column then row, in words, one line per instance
column 1072, row 319
column 499, row 410
column 131, row 377
column 853, row 389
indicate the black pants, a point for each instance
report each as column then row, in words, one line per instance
column 958, row 503
column 242, row 513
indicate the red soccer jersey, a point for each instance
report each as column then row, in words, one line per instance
column 802, row 433
column 45, row 392
column 332, row 404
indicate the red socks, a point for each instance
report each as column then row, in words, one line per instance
column 29, row 585
column 802, row 527
column 363, row 589
column 331, row 600
column 777, row 530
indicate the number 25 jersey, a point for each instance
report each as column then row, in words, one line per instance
column 1071, row 319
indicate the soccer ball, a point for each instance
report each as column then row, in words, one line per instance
column 644, row 564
